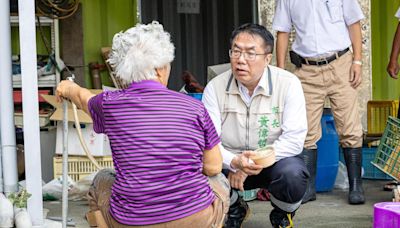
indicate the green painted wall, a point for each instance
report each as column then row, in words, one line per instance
column 383, row 27
column 101, row 20
column 40, row 48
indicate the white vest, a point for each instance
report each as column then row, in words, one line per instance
column 250, row 127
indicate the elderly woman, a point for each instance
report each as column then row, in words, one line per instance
column 164, row 145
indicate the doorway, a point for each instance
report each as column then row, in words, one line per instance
column 200, row 30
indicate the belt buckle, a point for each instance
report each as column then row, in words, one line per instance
column 322, row 62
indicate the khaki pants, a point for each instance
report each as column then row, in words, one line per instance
column 332, row 81
column 213, row 216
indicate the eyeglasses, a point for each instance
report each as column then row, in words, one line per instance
column 235, row 54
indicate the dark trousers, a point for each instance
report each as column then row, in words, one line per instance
column 286, row 180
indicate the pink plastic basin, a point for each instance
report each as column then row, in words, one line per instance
column 387, row 215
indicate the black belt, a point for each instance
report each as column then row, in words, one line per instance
column 326, row 60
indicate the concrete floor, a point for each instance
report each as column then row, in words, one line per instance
column 330, row 210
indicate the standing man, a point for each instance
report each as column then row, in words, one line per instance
column 254, row 105
column 325, row 31
column 393, row 65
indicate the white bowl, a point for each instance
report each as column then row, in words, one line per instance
column 264, row 156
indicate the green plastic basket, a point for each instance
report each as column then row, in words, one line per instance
column 387, row 156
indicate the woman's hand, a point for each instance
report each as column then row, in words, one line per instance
column 64, row 89
column 67, row 89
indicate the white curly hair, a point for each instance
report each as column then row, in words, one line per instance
column 138, row 51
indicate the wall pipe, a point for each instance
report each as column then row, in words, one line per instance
column 64, row 211
column 139, row 10
column 33, row 171
column 1, row 168
column 7, row 128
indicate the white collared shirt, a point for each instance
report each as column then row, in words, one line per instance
column 398, row 13
column 321, row 25
column 244, row 92
column 294, row 122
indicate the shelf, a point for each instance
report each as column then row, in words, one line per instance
column 43, row 20
column 43, row 81
column 48, row 81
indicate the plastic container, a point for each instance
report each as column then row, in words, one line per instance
column 387, row 215
column 387, row 156
column 328, row 154
column 17, row 95
column 80, row 167
column 6, row 212
column 197, row 96
column 377, row 114
column 369, row 170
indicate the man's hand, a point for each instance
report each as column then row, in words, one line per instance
column 237, row 179
column 355, row 75
column 393, row 69
column 244, row 163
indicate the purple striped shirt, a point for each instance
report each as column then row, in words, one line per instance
column 157, row 138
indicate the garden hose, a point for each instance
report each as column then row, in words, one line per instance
column 79, row 130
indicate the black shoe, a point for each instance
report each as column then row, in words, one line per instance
column 237, row 213
column 281, row 219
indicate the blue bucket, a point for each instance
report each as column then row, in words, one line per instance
column 328, row 154
column 197, row 96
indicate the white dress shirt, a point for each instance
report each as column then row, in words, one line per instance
column 321, row 25
column 398, row 13
column 294, row 121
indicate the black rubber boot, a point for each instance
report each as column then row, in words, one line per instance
column 310, row 159
column 237, row 213
column 353, row 158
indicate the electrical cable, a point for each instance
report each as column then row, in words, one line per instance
column 45, row 41
column 49, row 51
column 57, row 9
